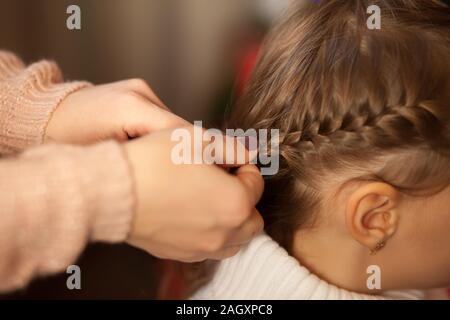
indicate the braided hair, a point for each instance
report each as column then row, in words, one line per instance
column 351, row 103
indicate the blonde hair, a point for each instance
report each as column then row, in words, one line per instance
column 349, row 102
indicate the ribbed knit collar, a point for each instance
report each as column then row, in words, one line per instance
column 264, row 270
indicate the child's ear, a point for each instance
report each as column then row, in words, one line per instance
column 372, row 214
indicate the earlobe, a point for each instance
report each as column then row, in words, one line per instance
column 372, row 214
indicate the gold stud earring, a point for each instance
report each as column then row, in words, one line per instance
column 380, row 245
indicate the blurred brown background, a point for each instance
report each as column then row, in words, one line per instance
column 187, row 50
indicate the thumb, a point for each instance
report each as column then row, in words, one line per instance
column 252, row 180
column 232, row 151
column 211, row 146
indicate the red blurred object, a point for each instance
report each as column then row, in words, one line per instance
column 171, row 281
column 245, row 65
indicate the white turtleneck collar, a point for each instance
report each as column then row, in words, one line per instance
column 264, row 270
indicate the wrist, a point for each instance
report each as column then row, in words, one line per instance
column 116, row 199
column 55, row 129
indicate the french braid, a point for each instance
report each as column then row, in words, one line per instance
column 348, row 99
column 348, row 102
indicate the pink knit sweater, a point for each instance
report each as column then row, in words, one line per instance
column 53, row 198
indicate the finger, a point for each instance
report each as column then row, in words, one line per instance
column 149, row 94
column 253, row 226
column 141, row 87
column 213, row 147
column 145, row 118
column 241, row 151
column 229, row 151
column 168, row 251
column 162, row 119
column 251, row 179
column 225, row 253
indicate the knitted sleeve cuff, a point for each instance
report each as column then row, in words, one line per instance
column 57, row 198
column 92, row 184
column 28, row 97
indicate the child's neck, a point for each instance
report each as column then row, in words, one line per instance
column 338, row 261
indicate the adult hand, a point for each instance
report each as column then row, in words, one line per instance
column 191, row 212
column 121, row 110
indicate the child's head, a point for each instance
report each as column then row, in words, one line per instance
column 364, row 120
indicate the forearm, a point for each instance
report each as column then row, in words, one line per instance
column 54, row 199
column 28, row 97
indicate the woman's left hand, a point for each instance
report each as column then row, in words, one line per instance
column 120, row 111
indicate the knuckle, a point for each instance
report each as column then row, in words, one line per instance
column 235, row 219
column 239, row 210
column 261, row 220
column 138, row 84
column 232, row 252
column 133, row 97
column 214, row 245
column 259, row 223
column 192, row 259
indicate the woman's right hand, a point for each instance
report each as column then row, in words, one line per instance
column 190, row 212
